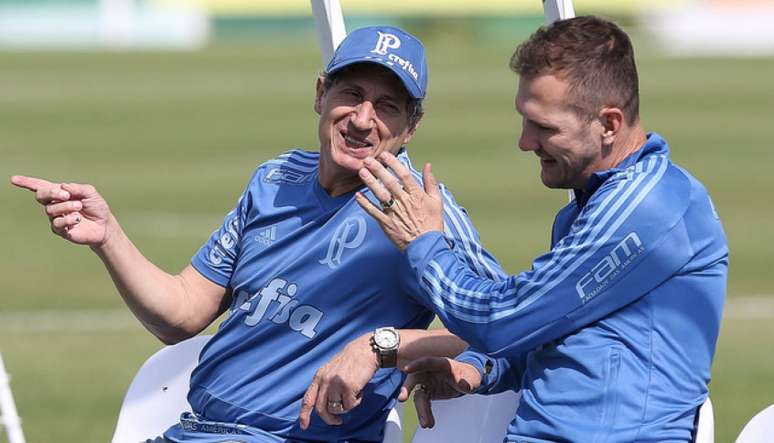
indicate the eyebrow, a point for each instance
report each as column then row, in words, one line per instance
column 385, row 96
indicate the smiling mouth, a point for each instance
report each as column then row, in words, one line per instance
column 355, row 143
column 545, row 160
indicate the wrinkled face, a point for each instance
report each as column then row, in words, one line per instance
column 569, row 147
column 362, row 114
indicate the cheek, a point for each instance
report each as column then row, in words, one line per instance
column 388, row 133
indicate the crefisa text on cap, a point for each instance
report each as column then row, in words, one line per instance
column 390, row 41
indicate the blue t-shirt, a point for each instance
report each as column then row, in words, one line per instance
column 308, row 273
column 610, row 336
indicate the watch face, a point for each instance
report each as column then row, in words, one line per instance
column 386, row 338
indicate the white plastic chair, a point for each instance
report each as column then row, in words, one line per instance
column 9, row 418
column 760, row 428
column 705, row 428
column 470, row 419
column 485, row 419
column 157, row 395
column 393, row 429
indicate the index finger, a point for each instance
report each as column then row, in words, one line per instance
column 30, row 183
column 403, row 173
column 424, row 408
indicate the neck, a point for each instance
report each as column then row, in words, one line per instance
column 627, row 143
column 336, row 186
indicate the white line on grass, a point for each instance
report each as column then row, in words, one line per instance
column 747, row 307
column 84, row 320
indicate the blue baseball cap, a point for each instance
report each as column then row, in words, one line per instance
column 391, row 47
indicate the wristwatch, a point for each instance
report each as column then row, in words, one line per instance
column 385, row 342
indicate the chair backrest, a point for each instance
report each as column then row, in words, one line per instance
column 157, row 395
column 485, row 419
column 470, row 419
column 705, row 426
column 393, row 428
column 760, row 428
column 9, row 418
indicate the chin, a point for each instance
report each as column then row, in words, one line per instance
column 553, row 182
column 348, row 162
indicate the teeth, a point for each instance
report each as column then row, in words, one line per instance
column 357, row 143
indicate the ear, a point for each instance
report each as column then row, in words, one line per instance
column 612, row 120
column 319, row 92
column 410, row 133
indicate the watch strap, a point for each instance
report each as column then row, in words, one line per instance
column 387, row 358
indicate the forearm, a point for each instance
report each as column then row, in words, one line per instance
column 158, row 299
column 417, row 343
column 414, row 344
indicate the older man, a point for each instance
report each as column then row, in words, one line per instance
column 297, row 263
column 610, row 336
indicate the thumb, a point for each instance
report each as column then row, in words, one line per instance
column 407, row 387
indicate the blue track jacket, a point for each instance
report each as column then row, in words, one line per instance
column 610, row 336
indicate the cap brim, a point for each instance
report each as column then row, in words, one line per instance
column 408, row 81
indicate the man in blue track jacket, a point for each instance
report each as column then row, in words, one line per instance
column 610, row 336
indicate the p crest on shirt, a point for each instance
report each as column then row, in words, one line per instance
column 349, row 235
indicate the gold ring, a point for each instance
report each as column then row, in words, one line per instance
column 388, row 205
column 336, row 405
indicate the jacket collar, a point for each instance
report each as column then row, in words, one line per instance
column 654, row 145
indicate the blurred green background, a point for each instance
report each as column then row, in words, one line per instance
column 170, row 139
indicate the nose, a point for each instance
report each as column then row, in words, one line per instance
column 527, row 140
column 363, row 115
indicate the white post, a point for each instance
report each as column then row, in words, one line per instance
column 554, row 10
column 329, row 21
column 116, row 22
column 8, row 416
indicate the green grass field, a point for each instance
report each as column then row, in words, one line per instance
column 171, row 138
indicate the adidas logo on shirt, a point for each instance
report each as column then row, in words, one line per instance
column 267, row 236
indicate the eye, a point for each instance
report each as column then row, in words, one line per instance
column 541, row 127
column 388, row 106
column 351, row 93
